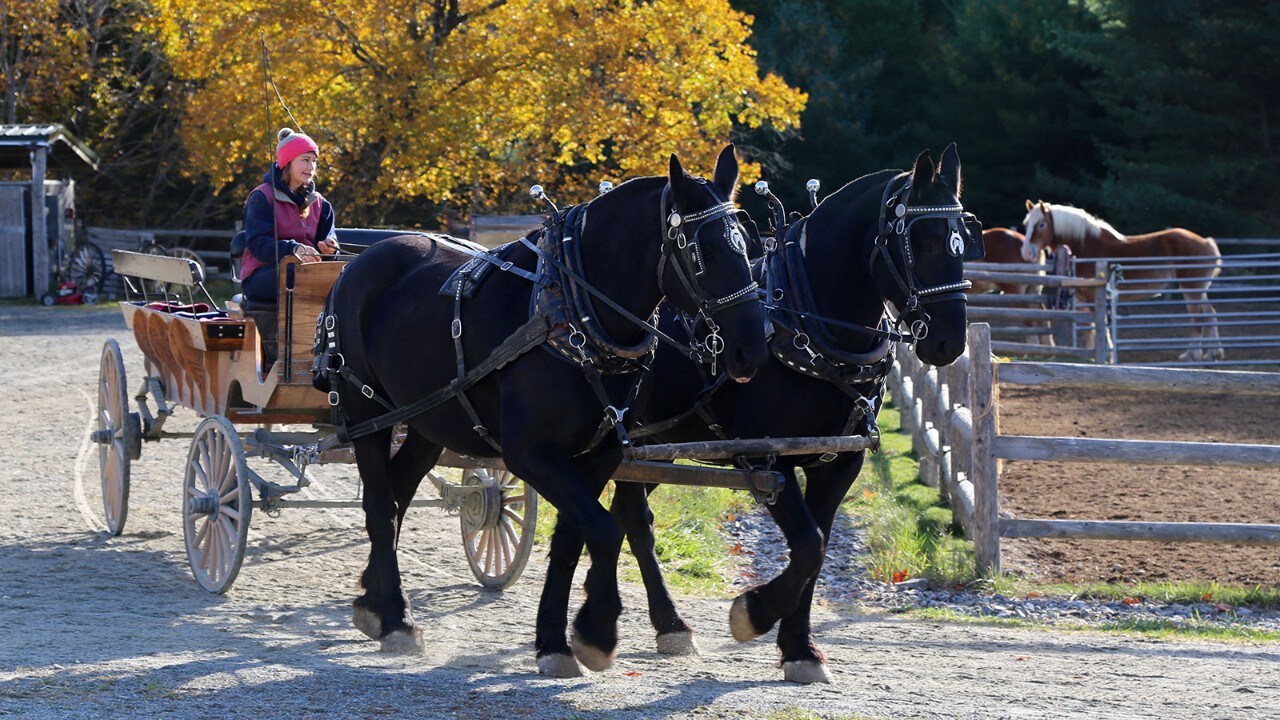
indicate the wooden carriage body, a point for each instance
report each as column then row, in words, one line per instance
column 212, row 361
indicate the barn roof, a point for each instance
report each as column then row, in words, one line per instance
column 17, row 140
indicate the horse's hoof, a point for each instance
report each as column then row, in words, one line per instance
column 367, row 622
column 740, row 621
column 805, row 672
column 590, row 656
column 559, row 665
column 678, row 643
column 405, row 641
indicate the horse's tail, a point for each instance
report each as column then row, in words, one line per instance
column 1217, row 255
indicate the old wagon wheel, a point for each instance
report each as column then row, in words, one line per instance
column 189, row 254
column 154, row 287
column 216, row 504
column 118, row 434
column 498, row 521
column 87, row 268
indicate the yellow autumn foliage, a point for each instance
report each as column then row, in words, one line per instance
column 472, row 101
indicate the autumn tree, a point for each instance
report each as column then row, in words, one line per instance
column 469, row 102
column 41, row 56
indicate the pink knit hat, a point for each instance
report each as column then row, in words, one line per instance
column 292, row 145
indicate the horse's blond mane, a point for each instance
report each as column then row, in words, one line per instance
column 1073, row 224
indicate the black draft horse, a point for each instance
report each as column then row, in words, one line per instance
column 548, row 411
column 888, row 237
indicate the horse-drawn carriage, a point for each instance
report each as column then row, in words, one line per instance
column 217, row 363
column 555, row 418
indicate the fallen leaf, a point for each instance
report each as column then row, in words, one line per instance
column 1132, row 601
column 1024, row 657
column 1222, row 607
column 631, row 673
column 736, row 549
column 900, row 575
column 1207, row 597
column 1035, row 594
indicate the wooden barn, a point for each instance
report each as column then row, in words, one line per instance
column 36, row 213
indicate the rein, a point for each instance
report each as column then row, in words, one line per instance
column 589, row 347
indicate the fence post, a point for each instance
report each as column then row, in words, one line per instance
column 983, row 394
column 959, row 397
column 1101, row 326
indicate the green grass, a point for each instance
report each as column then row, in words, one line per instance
column 910, row 532
column 1193, row 627
column 690, row 545
column 1183, row 593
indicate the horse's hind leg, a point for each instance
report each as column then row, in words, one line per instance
column 631, row 511
column 1204, row 319
column 409, row 466
column 382, row 612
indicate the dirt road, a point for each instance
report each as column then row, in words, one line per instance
column 99, row 627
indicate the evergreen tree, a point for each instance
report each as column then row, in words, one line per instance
column 1191, row 87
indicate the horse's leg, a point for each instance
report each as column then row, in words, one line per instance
column 631, row 510
column 573, row 489
column 755, row 611
column 550, row 638
column 1205, row 321
column 825, row 487
column 382, row 612
column 411, row 463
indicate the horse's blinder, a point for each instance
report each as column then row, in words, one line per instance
column 683, row 249
column 959, row 224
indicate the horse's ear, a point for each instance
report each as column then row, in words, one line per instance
column 1043, row 208
column 726, row 175
column 922, row 172
column 950, row 168
column 675, row 174
column 1030, row 205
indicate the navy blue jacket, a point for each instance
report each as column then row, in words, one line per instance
column 260, row 219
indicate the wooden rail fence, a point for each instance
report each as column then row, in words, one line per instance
column 953, row 416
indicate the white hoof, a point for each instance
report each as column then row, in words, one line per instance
column 805, row 672
column 592, row 657
column 404, row 642
column 739, row 623
column 678, row 643
column 559, row 666
column 367, row 622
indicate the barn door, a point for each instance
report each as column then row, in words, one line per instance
column 14, row 271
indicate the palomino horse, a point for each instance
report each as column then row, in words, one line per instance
column 889, row 238
column 1005, row 246
column 1050, row 226
column 535, row 369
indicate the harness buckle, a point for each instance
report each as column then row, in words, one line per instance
column 613, row 415
column 506, row 266
column 456, row 328
column 827, row 457
column 367, row 391
column 333, row 398
column 328, row 322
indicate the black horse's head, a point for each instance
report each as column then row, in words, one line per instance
column 705, row 271
column 926, row 236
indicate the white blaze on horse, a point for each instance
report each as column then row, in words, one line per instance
column 1049, row 226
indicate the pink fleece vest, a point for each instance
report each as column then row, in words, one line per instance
column 290, row 225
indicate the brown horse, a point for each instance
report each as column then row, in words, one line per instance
column 1005, row 246
column 1050, row 226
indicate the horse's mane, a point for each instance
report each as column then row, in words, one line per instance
column 1073, row 224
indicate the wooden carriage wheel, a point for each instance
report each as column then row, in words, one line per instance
column 216, row 504
column 498, row 523
column 118, row 435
